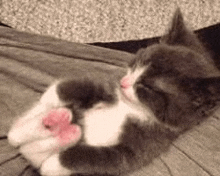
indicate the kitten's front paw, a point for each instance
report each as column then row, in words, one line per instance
column 58, row 122
column 53, row 167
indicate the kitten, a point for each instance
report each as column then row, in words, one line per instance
column 170, row 87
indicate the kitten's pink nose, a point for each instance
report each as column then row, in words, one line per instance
column 125, row 82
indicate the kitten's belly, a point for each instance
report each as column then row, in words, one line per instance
column 103, row 126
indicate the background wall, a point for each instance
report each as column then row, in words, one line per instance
column 104, row 20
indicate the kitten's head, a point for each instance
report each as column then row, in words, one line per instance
column 175, row 78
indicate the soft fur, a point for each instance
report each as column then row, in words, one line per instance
column 170, row 87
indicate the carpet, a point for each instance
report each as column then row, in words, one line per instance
column 89, row 21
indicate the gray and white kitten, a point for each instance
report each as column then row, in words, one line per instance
column 169, row 87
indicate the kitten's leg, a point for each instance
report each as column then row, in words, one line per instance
column 29, row 133
column 86, row 93
column 29, row 126
column 89, row 160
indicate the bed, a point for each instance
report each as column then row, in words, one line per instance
column 29, row 63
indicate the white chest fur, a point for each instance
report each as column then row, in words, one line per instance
column 103, row 126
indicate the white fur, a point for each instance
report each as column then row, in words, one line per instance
column 27, row 131
column 50, row 98
column 38, row 151
column 103, row 126
column 29, row 127
column 134, row 75
column 53, row 167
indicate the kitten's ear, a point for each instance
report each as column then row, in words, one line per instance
column 178, row 33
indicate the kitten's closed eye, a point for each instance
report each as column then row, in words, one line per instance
column 145, row 87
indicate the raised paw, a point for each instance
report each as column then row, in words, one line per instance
column 58, row 122
column 29, row 126
column 45, row 130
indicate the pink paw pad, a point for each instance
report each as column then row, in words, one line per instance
column 58, row 122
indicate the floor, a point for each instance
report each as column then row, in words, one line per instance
column 91, row 21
